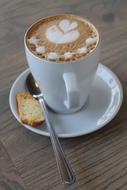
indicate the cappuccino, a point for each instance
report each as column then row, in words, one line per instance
column 62, row 38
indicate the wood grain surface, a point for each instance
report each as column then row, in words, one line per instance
column 26, row 159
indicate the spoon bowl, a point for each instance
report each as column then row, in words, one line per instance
column 32, row 86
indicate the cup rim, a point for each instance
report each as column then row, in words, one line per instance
column 62, row 62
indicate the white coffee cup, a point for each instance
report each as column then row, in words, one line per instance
column 65, row 86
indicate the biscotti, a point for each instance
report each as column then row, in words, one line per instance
column 29, row 109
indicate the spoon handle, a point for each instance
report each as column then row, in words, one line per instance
column 64, row 167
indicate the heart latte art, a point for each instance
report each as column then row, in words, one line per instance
column 62, row 38
column 64, row 32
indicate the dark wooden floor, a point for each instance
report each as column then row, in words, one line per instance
column 26, row 159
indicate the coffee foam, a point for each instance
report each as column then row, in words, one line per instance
column 82, row 50
column 33, row 40
column 62, row 38
column 52, row 56
column 66, row 26
column 91, row 41
column 68, row 55
column 65, row 32
column 40, row 49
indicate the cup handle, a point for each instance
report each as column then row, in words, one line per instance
column 72, row 91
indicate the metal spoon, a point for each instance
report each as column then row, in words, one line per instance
column 64, row 167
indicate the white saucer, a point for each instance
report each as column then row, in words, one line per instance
column 104, row 103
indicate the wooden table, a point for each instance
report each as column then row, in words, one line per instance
column 26, row 159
